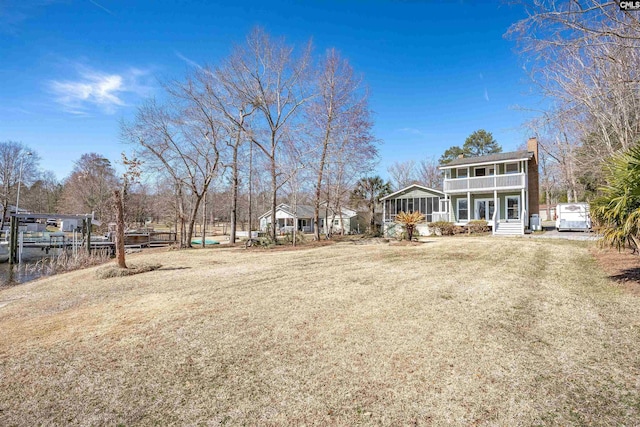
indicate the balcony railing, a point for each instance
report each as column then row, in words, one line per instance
column 494, row 182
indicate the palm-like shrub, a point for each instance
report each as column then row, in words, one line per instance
column 617, row 211
column 409, row 221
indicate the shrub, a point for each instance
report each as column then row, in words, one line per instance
column 409, row 220
column 444, row 228
column 288, row 238
column 266, row 241
column 115, row 271
column 478, row 226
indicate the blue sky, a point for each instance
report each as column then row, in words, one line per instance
column 436, row 70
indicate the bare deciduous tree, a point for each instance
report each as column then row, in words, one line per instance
column 338, row 114
column 88, row 189
column 221, row 86
column 584, row 55
column 14, row 156
column 183, row 139
column 429, row 175
column 267, row 75
column 402, row 174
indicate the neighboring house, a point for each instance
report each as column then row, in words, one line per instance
column 429, row 202
column 499, row 188
column 350, row 221
column 548, row 212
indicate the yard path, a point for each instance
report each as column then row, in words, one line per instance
column 462, row 331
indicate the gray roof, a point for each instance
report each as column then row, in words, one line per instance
column 406, row 189
column 302, row 211
column 499, row 157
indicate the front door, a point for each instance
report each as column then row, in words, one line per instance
column 485, row 209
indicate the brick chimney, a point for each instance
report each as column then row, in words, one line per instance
column 534, row 186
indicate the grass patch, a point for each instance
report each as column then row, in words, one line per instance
column 482, row 331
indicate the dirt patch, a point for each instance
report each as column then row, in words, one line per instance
column 622, row 267
column 407, row 243
column 299, row 247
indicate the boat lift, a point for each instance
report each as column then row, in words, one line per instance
column 15, row 245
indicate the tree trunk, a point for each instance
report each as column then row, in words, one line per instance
column 192, row 218
column 4, row 214
column 274, row 184
column 204, row 219
column 316, row 210
column 250, row 184
column 117, row 197
column 234, row 196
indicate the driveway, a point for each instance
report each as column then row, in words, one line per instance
column 552, row 233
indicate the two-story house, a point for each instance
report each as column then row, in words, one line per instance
column 499, row 188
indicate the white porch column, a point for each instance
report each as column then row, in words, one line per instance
column 524, row 220
column 384, row 212
column 496, row 211
column 468, row 206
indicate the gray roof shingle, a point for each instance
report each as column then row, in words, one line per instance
column 499, row 157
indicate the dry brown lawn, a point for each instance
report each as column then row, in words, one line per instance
column 461, row 331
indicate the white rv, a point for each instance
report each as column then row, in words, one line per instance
column 573, row 216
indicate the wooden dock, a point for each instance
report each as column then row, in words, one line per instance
column 47, row 241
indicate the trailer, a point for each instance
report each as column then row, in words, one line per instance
column 573, row 217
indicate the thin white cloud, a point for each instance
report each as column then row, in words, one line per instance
column 102, row 7
column 486, row 95
column 412, row 131
column 14, row 13
column 187, row 60
column 95, row 89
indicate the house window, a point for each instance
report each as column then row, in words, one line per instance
column 423, row 207
column 511, row 168
column 463, row 210
column 513, row 207
column 481, row 171
column 462, row 173
column 410, row 205
column 336, row 222
column 404, row 205
column 302, row 222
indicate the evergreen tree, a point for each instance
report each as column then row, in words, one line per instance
column 479, row 143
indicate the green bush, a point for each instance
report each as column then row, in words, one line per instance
column 478, row 226
column 444, row 228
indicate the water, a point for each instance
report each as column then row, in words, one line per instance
column 20, row 273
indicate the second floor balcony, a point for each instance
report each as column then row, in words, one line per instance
column 513, row 181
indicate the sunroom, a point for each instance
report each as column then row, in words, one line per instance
column 414, row 198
